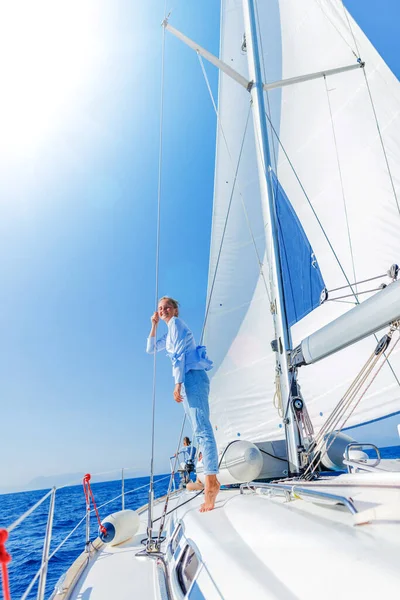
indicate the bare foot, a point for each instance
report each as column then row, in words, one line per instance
column 210, row 493
column 194, row 486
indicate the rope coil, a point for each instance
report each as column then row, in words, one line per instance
column 277, row 399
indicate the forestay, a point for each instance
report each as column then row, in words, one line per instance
column 329, row 148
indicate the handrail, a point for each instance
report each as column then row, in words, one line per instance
column 123, row 489
column 46, row 547
column 61, row 544
column 359, row 466
column 299, row 491
column 46, row 556
column 129, row 492
column 351, row 462
column 26, row 514
column 172, row 467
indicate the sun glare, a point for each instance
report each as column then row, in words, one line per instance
column 46, row 48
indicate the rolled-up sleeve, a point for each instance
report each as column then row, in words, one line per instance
column 159, row 345
column 177, row 334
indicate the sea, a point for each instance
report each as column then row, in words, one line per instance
column 25, row 543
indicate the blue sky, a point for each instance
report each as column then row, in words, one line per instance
column 78, row 193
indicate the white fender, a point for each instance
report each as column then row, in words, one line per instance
column 333, row 458
column 241, row 462
column 120, row 527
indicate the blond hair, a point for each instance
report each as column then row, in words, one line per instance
column 175, row 303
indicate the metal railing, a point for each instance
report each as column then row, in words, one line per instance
column 291, row 492
column 354, row 465
column 41, row 573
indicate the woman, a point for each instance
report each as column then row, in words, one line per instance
column 189, row 365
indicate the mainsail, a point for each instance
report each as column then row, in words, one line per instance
column 328, row 157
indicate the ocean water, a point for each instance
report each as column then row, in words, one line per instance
column 25, row 543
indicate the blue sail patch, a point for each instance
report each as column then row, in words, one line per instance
column 302, row 279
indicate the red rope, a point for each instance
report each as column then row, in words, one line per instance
column 87, row 490
column 4, row 559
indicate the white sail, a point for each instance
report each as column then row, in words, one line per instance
column 238, row 328
column 319, row 123
column 361, row 220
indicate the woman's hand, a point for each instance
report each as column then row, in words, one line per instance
column 177, row 392
column 155, row 319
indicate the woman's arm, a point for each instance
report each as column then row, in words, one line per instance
column 151, row 344
column 155, row 318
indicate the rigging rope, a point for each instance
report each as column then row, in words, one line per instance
column 351, row 295
column 312, row 207
column 87, row 490
column 350, row 285
column 355, row 52
column 160, row 155
column 358, row 55
column 349, row 402
column 5, row 558
column 374, row 111
column 392, row 273
column 164, row 513
column 357, row 283
column 381, row 140
column 277, row 399
column 269, row 122
column 340, row 179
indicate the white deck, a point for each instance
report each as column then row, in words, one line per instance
column 114, row 574
column 254, row 546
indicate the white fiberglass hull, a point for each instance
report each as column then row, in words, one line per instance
column 258, row 546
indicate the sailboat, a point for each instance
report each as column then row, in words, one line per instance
column 301, row 321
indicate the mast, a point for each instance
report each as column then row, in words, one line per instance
column 282, row 332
